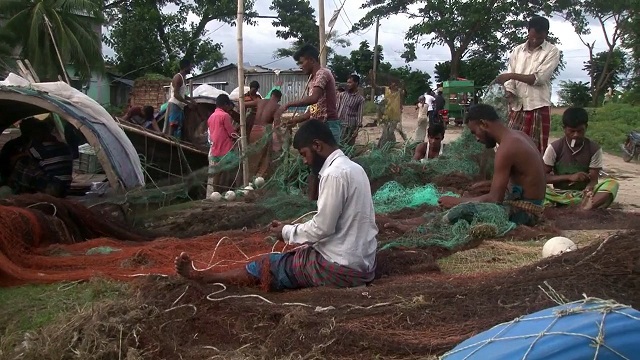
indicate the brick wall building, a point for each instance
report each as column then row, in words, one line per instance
column 148, row 92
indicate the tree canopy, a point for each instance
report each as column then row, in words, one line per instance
column 33, row 24
column 462, row 26
column 169, row 36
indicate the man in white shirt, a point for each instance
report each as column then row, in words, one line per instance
column 429, row 99
column 528, row 83
column 339, row 243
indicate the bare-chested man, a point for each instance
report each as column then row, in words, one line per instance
column 265, row 114
column 519, row 179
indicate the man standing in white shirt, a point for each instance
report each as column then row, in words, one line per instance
column 429, row 99
column 339, row 242
column 528, row 83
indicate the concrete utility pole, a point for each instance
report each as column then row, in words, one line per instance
column 375, row 61
column 322, row 34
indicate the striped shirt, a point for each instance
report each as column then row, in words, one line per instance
column 350, row 108
column 54, row 158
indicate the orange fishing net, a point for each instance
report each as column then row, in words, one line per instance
column 36, row 248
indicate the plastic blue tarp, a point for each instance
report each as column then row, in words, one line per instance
column 590, row 329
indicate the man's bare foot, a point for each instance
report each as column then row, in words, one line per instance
column 587, row 202
column 398, row 227
column 183, row 266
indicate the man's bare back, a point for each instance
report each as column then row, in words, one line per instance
column 266, row 110
column 519, row 153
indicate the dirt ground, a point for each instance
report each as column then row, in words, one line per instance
column 627, row 174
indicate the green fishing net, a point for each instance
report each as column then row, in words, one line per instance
column 393, row 197
column 483, row 222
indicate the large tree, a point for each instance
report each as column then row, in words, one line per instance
column 481, row 70
column 463, row 26
column 168, row 36
column 341, row 66
column 615, row 64
column 605, row 12
column 362, row 58
column 296, row 21
column 41, row 25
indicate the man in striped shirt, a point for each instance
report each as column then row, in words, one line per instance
column 350, row 104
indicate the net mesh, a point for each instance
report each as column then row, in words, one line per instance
column 392, row 197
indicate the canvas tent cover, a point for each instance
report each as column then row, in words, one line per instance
column 20, row 98
column 207, row 91
column 235, row 94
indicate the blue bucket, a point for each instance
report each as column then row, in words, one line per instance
column 592, row 329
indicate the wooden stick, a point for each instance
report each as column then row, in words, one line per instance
column 243, row 115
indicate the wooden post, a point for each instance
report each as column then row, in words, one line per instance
column 243, row 115
column 375, row 62
column 322, row 34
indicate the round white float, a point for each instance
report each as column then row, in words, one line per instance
column 215, row 196
column 557, row 246
column 258, row 182
column 230, row 195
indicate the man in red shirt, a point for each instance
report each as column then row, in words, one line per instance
column 223, row 137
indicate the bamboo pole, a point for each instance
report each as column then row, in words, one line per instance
column 55, row 46
column 322, row 34
column 243, row 115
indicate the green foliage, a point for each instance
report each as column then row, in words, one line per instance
column 30, row 307
column 458, row 24
column 608, row 125
column 296, row 21
column 370, row 108
column 73, row 24
column 613, row 67
column 169, row 36
column 480, row 69
column 415, row 82
column 341, row 66
column 574, row 93
column 362, row 58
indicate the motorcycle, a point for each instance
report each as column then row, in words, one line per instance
column 631, row 147
column 443, row 117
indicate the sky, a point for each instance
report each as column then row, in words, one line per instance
column 260, row 41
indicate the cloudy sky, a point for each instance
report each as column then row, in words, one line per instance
column 260, row 41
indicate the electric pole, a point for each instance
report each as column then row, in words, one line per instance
column 322, row 34
column 375, row 61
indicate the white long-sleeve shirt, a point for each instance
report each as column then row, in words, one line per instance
column 540, row 62
column 344, row 229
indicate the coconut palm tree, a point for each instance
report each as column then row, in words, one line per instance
column 49, row 30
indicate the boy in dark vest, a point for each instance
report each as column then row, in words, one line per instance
column 573, row 165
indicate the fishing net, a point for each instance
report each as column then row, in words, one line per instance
column 494, row 95
column 393, row 197
column 488, row 221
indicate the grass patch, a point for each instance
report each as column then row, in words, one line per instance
column 370, row 108
column 608, row 125
column 30, row 307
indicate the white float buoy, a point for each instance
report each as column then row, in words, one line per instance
column 557, row 245
column 246, row 190
column 215, row 196
column 258, row 182
column 230, row 195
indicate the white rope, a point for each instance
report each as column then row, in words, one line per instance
column 55, row 209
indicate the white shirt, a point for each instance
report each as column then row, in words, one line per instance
column 344, row 229
column 429, row 100
column 541, row 62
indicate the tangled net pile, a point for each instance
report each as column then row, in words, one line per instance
column 419, row 315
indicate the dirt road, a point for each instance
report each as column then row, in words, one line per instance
column 627, row 174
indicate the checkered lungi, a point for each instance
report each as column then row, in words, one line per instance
column 305, row 267
column 535, row 123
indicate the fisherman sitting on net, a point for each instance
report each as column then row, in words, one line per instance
column 518, row 181
column 573, row 165
column 434, row 146
column 338, row 244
